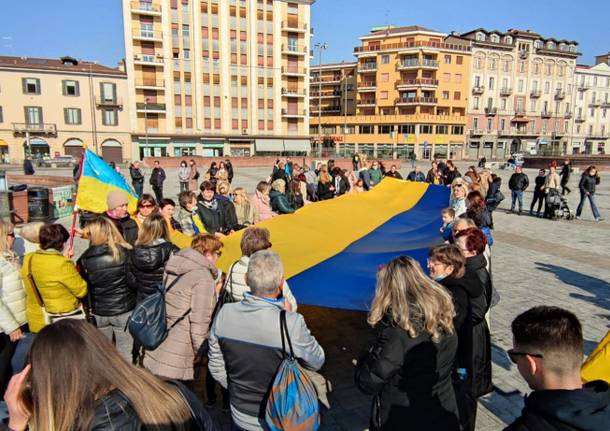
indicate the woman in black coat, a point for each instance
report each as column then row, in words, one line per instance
column 111, row 288
column 217, row 215
column 408, row 368
column 477, row 382
column 326, row 189
column 494, row 197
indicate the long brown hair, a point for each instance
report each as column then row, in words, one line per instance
column 153, row 227
column 6, row 227
column 413, row 301
column 102, row 231
column 74, row 365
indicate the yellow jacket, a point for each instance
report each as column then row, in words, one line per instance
column 59, row 284
column 597, row 366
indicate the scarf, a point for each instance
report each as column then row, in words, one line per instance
column 213, row 204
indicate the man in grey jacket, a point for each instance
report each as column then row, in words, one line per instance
column 245, row 341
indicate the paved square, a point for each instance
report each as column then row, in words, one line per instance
column 535, row 261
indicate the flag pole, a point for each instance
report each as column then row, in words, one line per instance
column 75, row 210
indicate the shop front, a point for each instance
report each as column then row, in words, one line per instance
column 213, row 148
column 153, row 148
column 185, row 148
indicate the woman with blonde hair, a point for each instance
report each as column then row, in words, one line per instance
column 112, row 290
column 459, row 191
column 262, row 202
column 12, row 302
column 189, row 305
column 76, row 380
column 27, row 239
column 245, row 211
column 279, row 200
column 409, row 366
column 326, row 190
column 150, row 253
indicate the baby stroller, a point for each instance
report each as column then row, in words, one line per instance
column 557, row 206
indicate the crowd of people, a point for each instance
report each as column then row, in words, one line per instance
column 427, row 367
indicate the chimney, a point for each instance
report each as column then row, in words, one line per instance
column 121, row 65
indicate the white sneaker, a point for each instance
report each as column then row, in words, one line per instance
column 577, row 217
column 598, row 219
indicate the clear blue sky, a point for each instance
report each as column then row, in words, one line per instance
column 92, row 29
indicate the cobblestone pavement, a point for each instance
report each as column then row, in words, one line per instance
column 535, row 261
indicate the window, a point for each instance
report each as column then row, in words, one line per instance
column 33, row 114
column 385, row 59
column 426, row 128
column 1, row 116
column 383, row 95
column 384, row 129
column 489, row 123
column 478, row 63
column 445, row 95
column 70, row 88
column 108, row 91
column 491, row 82
column 520, row 86
column 31, row 85
column 447, row 59
column 457, row 78
column 384, row 77
column 475, row 103
column 503, row 103
column 72, row 116
column 110, row 117
column 367, row 130
column 442, row 129
column 459, row 59
column 446, row 77
column 457, row 95
column 457, row 130
column 475, row 123
column 406, row 129
column 502, row 124
column 547, row 87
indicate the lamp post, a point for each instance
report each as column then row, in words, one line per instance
column 146, row 121
column 321, row 47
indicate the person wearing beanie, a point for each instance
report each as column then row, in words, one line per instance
column 118, row 213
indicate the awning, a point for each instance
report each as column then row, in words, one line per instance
column 213, row 144
column 303, row 145
column 153, row 144
column 271, row 145
column 520, row 120
column 37, row 142
column 3, row 143
column 185, row 144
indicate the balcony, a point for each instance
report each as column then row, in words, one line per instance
column 150, row 84
column 293, row 27
column 606, row 104
column 582, row 87
column 293, row 71
column 35, row 128
column 292, row 92
column 367, row 86
column 478, row 89
column 476, row 132
column 560, row 95
column 546, row 114
column 506, row 91
column 408, row 64
column 325, row 94
column 519, row 112
column 367, row 67
column 148, row 60
column 325, row 80
column 404, row 46
column 103, row 102
column 150, row 108
column 579, row 118
column 594, row 103
column 535, row 94
column 406, row 101
column 429, row 64
column 291, row 49
column 293, row 113
column 366, row 103
column 148, row 35
column 325, row 110
column 567, row 115
column 145, row 8
column 414, row 83
column 491, row 112
column 515, row 132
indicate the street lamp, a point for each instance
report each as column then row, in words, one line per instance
column 146, row 121
column 321, row 47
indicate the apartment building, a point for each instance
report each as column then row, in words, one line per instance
column 50, row 107
column 412, row 96
column 218, row 77
column 332, row 93
column 520, row 93
column 590, row 129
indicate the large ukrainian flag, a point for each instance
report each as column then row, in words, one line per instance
column 97, row 179
column 331, row 250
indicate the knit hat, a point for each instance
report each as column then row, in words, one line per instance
column 115, row 199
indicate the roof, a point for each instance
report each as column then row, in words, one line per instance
column 57, row 65
column 342, row 65
column 519, row 33
column 388, row 30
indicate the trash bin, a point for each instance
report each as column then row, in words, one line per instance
column 38, row 204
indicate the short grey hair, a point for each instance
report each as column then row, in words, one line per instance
column 279, row 185
column 265, row 272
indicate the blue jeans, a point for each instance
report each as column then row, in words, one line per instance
column 583, row 198
column 516, row 195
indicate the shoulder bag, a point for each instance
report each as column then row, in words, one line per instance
column 49, row 318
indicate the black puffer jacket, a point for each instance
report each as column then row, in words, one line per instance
column 588, row 183
column 110, row 284
column 115, row 412
column 147, row 266
column 222, row 218
column 411, row 380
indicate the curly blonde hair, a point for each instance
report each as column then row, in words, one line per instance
column 413, row 301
